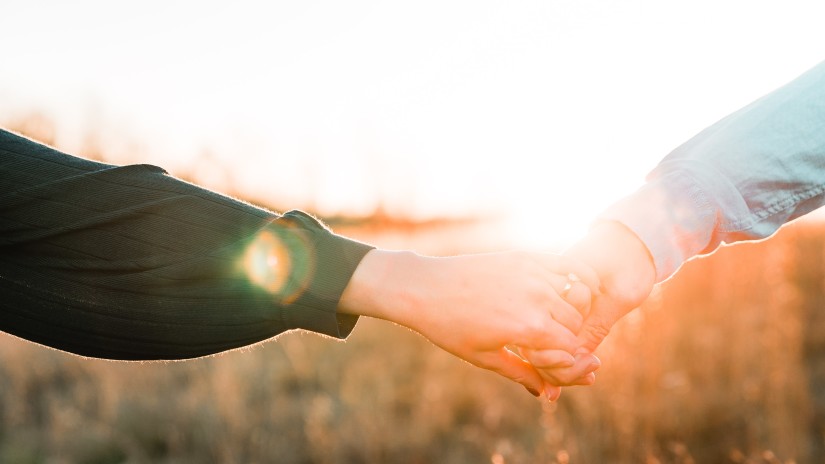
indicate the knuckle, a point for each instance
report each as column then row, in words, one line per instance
column 539, row 359
column 596, row 331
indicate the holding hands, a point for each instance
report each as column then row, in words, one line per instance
column 626, row 274
column 492, row 310
column 533, row 318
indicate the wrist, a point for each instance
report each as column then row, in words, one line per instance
column 621, row 260
column 382, row 286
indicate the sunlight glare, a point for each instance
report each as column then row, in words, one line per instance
column 549, row 232
column 538, row 112
column 281, row 265
column 267, row 262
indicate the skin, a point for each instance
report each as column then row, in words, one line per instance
column 626, row 268
column 627, row 275
column 491, row 310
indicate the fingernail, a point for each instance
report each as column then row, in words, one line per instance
column 552, row 394
column 533, row 392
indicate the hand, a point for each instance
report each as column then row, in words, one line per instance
column 582, row 371
column 627, row 275
column 478, row 307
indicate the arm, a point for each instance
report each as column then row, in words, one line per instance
column 740, row 179
column 127, row 262
column 130, row 263
column 481, row 308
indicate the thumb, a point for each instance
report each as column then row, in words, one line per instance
column 597, row 326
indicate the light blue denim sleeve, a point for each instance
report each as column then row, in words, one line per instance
column 740, row 179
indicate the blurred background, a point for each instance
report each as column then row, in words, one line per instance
column 442, row 127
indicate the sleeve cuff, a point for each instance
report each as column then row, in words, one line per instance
column 329, row 261
column 673, row 217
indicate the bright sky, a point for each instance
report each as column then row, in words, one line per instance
column 542, row 111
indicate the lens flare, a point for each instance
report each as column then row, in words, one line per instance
column 280, row 261
column 267, row 263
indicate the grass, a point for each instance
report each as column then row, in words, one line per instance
column 723, row 364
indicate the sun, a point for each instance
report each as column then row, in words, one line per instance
column 552, row 216
column 531, row 228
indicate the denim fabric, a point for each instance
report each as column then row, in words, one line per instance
column 740, row 179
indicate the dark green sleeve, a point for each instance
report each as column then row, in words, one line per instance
column 127, row 262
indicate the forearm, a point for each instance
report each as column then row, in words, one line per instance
column 479, row 306
column 479, row 290
column 383, row 287
column 740, row 179
column 131, row 263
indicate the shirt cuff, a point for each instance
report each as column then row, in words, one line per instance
column 323, row 264
column 673, row 215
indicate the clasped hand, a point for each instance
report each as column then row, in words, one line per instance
column 499, row 311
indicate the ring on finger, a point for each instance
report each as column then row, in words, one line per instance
column 568, row 285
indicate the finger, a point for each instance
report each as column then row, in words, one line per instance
column 579, row 297
column 548, row 334
column 561, row 310
column 507, row 364
column 564, row 265
column 578, row 374
column 584, row 381
column 548, row 359
column 551, row 392
column 565, row 313
column 597, row 325
column 564, row 285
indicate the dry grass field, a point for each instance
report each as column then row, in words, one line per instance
column 724, row 364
